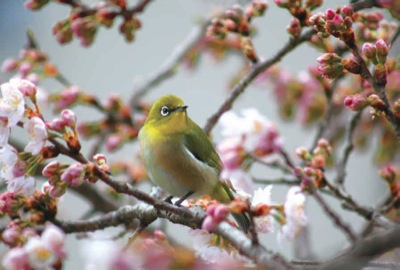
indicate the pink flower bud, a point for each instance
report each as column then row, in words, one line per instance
column 294, row 27
column 330, row 14
column 113, row 142
column 369, row 50
column 26, row 87
column 347, row 11
column 220, row 212
column 351, row 65
column 24, row 68
column 74, row 174
column 211, row 209
column 51, row 169
column 355, row 102
column 382, row 50
column 9, row 65
column 100, row 159
column 69, row 118
column 56, row 125
column 376, row 102
column 209, row 224
column 298, row 172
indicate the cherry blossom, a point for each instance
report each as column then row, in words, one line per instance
column 37, row 135
column 294, row 213
column 264, row 224
column 12, row 107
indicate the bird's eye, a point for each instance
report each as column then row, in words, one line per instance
column 164, row 111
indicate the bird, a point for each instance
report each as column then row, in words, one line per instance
column 180, row 158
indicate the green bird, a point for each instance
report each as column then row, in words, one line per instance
column 180, row 158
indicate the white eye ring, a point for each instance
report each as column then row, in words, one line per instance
column 164, row 111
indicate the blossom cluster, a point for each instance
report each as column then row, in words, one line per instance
column 35, row 252
column 245, row 137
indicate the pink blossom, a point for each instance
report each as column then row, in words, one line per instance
column 74, row 174
column 37, row 135
column 294, row 213
column 54, row 239
column 15, row 259
column 26, row 87
column 22, row 185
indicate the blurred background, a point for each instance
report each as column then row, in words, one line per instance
column 111, row 65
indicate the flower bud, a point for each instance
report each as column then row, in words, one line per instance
column 369, row 50
column 355, row 102
column 74, row 174
column 382, row 50
column 330, row 14
column 9, row 65
column 347, row 10
column 376, row 102
column 69, row 118
column 331, row 71
column 26, row 87
column 303, row 153
column 351, row 65
column 51, row 169
column 248, row 49
column 294, row 27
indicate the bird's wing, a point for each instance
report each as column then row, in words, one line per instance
column 200, row 146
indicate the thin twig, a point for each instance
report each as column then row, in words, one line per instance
column 335, row 218
column 169, row 67
column 341, row 166
column 277, row 181
column 255, row 70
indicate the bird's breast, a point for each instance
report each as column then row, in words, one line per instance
column 174, row 168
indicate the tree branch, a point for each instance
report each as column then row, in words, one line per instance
column 366, row 250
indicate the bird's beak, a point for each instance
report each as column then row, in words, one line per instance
column 181, row 108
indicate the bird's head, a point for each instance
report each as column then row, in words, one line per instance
column 168, row 114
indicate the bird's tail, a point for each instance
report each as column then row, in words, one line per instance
column 243, row 221
column 224, row 194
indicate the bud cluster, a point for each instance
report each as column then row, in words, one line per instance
column 84, row 21
column 313, row 171
column 358, row 102
column 337, row 23
column 237, row 21
column 32, row 64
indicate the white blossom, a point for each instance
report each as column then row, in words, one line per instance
column 294, row 213
column 264, row 224
column 37, row 132
column 12, row 108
